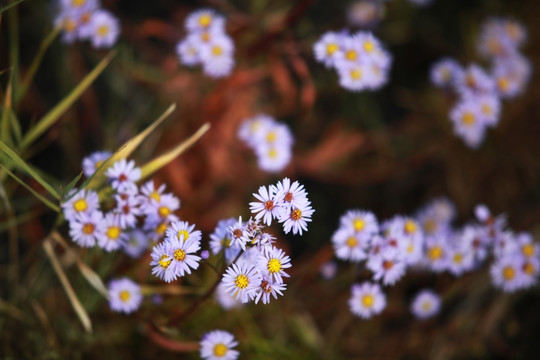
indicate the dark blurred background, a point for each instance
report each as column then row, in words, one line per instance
column 389, row 151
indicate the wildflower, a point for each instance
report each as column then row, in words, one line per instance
column 472, row 236
column 468, row 123
column 367, row 299
column 436, row 253
column 328, row 270
column 80, row 202
column 161, row 259
column 180, row 251
column 426, row 304
column 220, row 239
column 252, row 130
column 105, row 29
column 297, row 218
column 86, row 228
column 188, row 51
column 474, row 81
column 506, row 273
column 348, row 245
column 68, row 22
column 183, row 230
column 273, row 157
column 136, row 244
column 217, row 56
column 269, row 288
column 123, row 171
column 328, row 48
column 364, row 13
column 293, row 195
column 460, row 259
column 239, row 234
column 125, row 295
column 218, row 345
column 92, row 162
column 114, row 237
column 242, row 281
column 445, row 72
column 354, row 77
column 511, row 76
column 272, row 261
column 150, row 193
column 387, row 267
column 127, row 208
column 204, row 19
column 268, row 206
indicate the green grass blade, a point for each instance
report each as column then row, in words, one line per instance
column 71, row 185
column 5, row 134
column 24, row 166
column 15, row 127
column 36, row 63
column 9, row 6
column 35, row 193
column 52, row 116
column 162, row 160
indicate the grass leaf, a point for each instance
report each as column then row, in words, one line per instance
column 54, row 114
column 77, row 306
column 9, row 6
column 4, row 135
column 35, row 193
column 162, row 160
column 24, row 166
column 71, row 185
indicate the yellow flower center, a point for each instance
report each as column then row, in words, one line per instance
column 217, row 50
column 356, row 73
column 351, row 55
column 426, row 306
column 468, row 118
column 183, row 233
column 205, row 36
column 331, row 48
column 352, row 242
column 272, row 153
column 367, row 300
column 271, row 137
column 164, row 211
column 124, row 295
column 205, row 20
column 296, row 214
column 69, row 25
column 430, row 226
column 103, row 30
column 220, row 350
column 410, row 227
column 164, row 263
column 528, row 250
column 179, row 254
column 369, row 46
column 78, row 3
column 359, row 224
column 80, row 205
column 508, row 273
column 487, row 110
column 503, row 83
column 155, row 195
column 274, row 266
column 241, row 281
column 446, row 74
column 161, row 228
column 435, row 253
column 458, row 258
column 113, row 232
column 528, row 268
column 88, row 229
column 410, row 248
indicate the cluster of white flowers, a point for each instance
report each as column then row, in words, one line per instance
column 257, row 267
column 130, row 219
column 480, row 92
column 429, row 241
column 86, row 20
column 207, row 43
column 359, row 59
column 271, row 141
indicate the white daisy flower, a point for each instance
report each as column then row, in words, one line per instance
column 218, row 345
column 272, row 261
column 217, row 56
column 80, row 202
column 151, row 193
column 204, row 19
column 292, row 194
column 436, row 253
column 348, row 245
column 297, row 219
column 86, row 228
column 93, row 161
column 68, row 21
column 387, row 267
column 125, row 295
column 105, row 29
column 426, row 304
column 468, row 123
column 252, row 130
column 367, row 299
column 181, row 253
column 242, row 281
column 506, row 273
column 445, row 72
column 268, row 206
column 269, row 288
column 188, row 51
column 327, row 48
column 238, row 234
column 460, row 259
column 127, row 208
column 179, row 230
column 114, row 237
column 273, row 157
column 161, row 259
column 123, row 171
column 363, row 223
